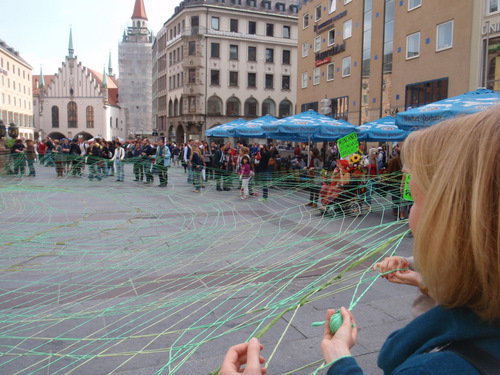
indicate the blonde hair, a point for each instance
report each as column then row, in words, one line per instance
column 456, row 166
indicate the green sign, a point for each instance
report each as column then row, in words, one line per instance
column 348, row 145
column 406, row 191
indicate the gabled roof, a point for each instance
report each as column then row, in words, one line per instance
column 35, row 80
column 139, row 11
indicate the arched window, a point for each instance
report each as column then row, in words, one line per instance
column 233, row 106
column 251, row 107
column 55, row 116
column 170, row 108
column 214, row 106
column 90, row 116
column 268, row 107
column 285, row 109
column 176, row 107
column 72, row 115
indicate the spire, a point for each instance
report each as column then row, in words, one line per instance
column 70, row 47
column 104, row 78
column 139, row 11
column 110, row 68
column 41, row 84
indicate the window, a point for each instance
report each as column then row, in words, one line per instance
column 192, row 75
column 90, row 116
column 214, row 106
column 286, row 32
column 413, row 46
column 195, row 23
column 330, row 71
column 252, row 53
column 492, row 6
column 72, row 115
column 285, row 82
column 421, row 93
column 269, row 81
column 280, row 7
column 55, row 116
column 214, row 78
column 347, row 29
column 252, row 27
column 305, row 21
column 268, row 107
column 233, row 52
column 191, row 104
column 347, row 1
column 412, row 4
column 215, row 50
column 307, row 106
column 317, row 13
column 286, row 56
column 305, row 49
column 317, row 43
column 304, row 80
column 269, row 29
column 251, row 107
column 236, row 2
column 233, row 107
column 269, row 55
column 331, row 37
column 215, row 23
column 285, row 109
column 340, row 107
column 266, row 4
column 346, row 66
column 233, row 79
column 252, row 3
column 192, row 48
column 444, row 38
column 332, row 7
column 316, row 75
column 252, row 80
column 233, row 25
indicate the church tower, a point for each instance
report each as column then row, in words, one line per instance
column 135, row 66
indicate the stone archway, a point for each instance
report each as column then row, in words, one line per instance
column 85, row 135
column 56, row 135
column 179, row 135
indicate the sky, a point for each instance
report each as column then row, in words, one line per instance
column 39, row 29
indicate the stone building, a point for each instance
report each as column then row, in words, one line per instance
column 15, row 91
column 135, row 79
column 217, row 61
column 375, row 58
column 77, row 101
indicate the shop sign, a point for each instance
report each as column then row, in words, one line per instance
column 491, row 27
column 322, row 62
column 321, row 26
column 338, row 48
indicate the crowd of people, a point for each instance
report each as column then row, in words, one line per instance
column 332, row 183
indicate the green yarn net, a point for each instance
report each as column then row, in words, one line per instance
column 99, row 278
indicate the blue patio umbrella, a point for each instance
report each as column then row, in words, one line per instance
column 225, row 130
column 430, row 114
column 382, row 130
column 307, row 126
column 253, row 128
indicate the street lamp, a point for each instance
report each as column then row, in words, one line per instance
column 13, row 130
column 3, row 129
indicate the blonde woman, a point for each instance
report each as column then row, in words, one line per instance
column 455, row 220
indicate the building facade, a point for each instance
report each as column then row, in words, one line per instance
column 135, row 79
column 489, row 45
column 77, row 101
column 15, row 91
column 376, row 58
column 216, row 61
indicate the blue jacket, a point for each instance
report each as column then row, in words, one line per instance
column 406, row 351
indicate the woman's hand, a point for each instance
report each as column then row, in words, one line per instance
column 244, row 359
column 390, row 264
column 339, row 344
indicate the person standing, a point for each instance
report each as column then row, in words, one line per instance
column 30, row 157
column 117, row 160
column 147, row 158
column 219, row 157
column 17, row 152
column 163, row 162
column 49, row 160
column 41, row 148
column 66, row 148
column 197, row 164
column 138, row 163
column 187, row 158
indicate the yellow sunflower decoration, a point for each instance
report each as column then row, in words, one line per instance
column 354, row 159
